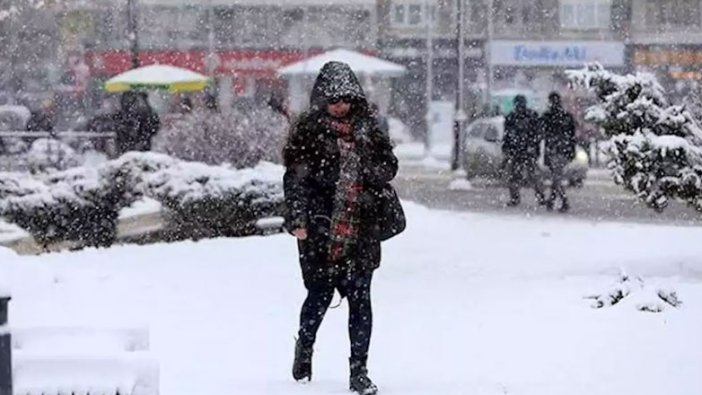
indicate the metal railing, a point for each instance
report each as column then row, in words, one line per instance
column 65, row 134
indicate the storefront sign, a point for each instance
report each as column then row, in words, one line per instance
column 556, row 53
column 250, row 63
column 667, row 56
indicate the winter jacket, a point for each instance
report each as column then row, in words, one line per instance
column 522, row 140
column 136, row 124
column 311, row 157
column 558, row 129
column 40, row 122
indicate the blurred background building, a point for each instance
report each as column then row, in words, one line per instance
column 67, row 48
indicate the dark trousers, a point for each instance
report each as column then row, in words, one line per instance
column 557, row 167
column 523, row 171
column 356, row 286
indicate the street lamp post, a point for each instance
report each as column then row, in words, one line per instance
column 133, row 32
column 430, row 72
column 460, row 116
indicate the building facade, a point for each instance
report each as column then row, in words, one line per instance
column 240, row 42
column 527, row 43
column 666, row 39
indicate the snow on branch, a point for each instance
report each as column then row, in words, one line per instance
column 655, row 148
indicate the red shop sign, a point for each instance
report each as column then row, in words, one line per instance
column 246, row 62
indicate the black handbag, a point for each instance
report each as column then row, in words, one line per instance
column 391, row 220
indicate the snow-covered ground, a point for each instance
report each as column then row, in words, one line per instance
column 464, row 304
column 9, row 232
column 141, row 207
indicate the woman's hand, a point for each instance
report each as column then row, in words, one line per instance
column 300, row 233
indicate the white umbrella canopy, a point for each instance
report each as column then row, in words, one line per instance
column 360, row 64
column 158, row 76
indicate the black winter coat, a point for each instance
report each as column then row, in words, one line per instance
column 40, row 122
column 135, row 129
column 558, row 129
column 311, row 157
column 522, row 139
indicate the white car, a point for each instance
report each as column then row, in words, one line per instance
column 482, row 153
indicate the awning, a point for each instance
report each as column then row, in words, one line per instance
column 360, row 64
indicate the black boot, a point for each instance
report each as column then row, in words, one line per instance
column 302, row 366
column 549, row 204
column 565, row 207
column 360, row 383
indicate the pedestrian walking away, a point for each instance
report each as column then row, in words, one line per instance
column 521, row 150
column 558, row 129
column 338, row 168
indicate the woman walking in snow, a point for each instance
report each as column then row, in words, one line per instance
column 339, row 207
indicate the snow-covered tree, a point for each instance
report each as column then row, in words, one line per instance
column 655, row 148
column 241, row 138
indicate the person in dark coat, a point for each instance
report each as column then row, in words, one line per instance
column 43, row 120
column 558, row 130
column 136, row 123
column 337, row 163
column 521, row 149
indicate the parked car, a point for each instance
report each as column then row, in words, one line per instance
column 482, row 153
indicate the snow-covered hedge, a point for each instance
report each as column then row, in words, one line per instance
column 83, row 203
column 213, row 201
column 655, row 148
column 80, row 204
column 242, row 138
column 50, row 155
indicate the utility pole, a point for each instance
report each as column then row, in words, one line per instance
column 460, row 116
column 211, row 56
column 430, row 73
column 133, row 32
column 487, row 97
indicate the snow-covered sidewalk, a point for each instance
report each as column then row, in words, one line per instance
column 464, row 304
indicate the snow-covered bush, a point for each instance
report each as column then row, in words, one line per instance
column 83, row 204
column 49, row 155
column 80, row 204
column 241, row 138
column 131, row 170
column 212, row 201
column 634, row 290
column 655, row 148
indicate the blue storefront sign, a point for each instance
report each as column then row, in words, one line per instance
column 556, row 53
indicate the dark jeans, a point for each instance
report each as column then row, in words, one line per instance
column 357, row 288
column 523, row 171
